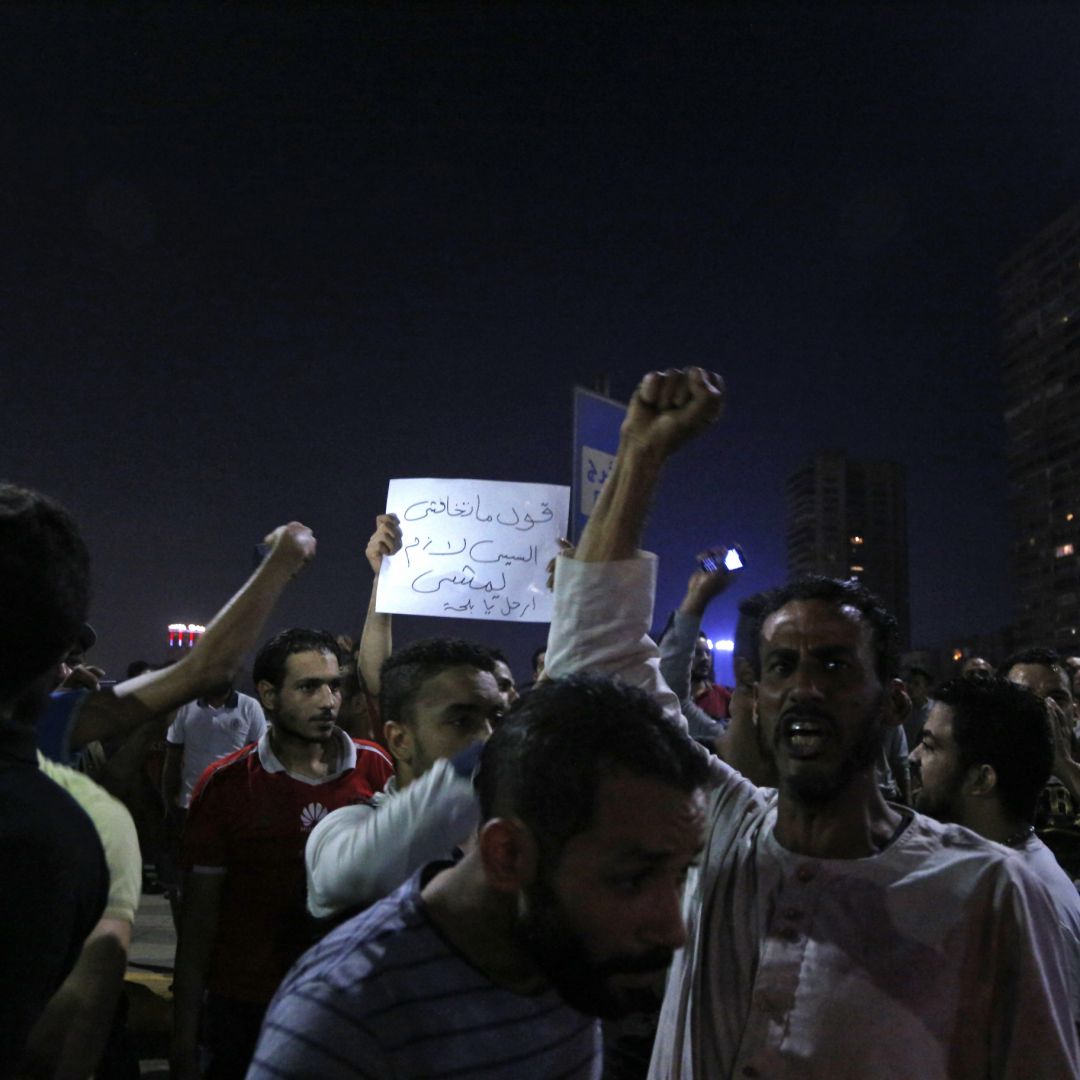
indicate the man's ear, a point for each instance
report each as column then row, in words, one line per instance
column 980, row 780
column 267, row 692
column 508, row 854
column 897, row 702
column 399, row 738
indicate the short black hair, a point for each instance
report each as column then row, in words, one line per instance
column 404, row 672
column 997, row 723
column 536, row 654
column 842, row 593
column 270, row 662
column 44, row 586
column 545, row 761
column 1046, row 658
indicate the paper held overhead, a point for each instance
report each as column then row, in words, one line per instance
column 473, row 549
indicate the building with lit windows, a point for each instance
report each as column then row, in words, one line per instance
column 849, row 519
column 1040, row 329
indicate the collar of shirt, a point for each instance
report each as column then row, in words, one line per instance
column 346, row 761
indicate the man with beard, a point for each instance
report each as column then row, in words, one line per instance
column 985, row 755
column 830, row 934
column 566, row 908
column 243, row 922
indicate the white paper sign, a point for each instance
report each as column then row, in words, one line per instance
column 473, row 549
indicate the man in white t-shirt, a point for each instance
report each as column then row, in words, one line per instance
column 202, row 732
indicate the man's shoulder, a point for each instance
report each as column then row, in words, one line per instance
column 390, row 944
column 368, row 752
column 227, row 772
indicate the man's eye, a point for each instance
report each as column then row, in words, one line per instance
column 834, row 665
column 630, row 884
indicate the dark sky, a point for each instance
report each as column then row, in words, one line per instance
column 259, row 260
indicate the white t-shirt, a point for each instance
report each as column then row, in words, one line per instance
column 208, row 733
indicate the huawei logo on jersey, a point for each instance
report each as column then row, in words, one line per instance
column 311, row 814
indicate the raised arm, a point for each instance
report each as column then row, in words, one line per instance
column 668, row 409
column 359, row 854
column 215, row 660
column 376, row 641
column 603, row 594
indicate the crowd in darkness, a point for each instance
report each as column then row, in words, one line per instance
column 392, row 863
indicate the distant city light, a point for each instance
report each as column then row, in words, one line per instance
column 958, row 654
column 1062, row 550
column 857, row 540
column 185, row 635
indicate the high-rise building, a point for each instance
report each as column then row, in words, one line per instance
column 1040, row 310
column 849, row 519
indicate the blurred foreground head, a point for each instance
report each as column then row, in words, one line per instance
column 44, row 586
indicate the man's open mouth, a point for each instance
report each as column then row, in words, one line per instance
column 806, row 736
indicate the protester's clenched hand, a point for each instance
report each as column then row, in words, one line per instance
column 293, row 544
column 565, row 548
column 385, row 540
column 670, row 407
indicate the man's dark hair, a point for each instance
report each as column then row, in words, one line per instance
column 546, row 759
column 44, row 586
column 997, row 723
column 1046, row 658
column 848, row 593
column 271, row 659
column 497, row 655
column 404, row 672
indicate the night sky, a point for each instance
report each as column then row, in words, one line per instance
column 257, row 261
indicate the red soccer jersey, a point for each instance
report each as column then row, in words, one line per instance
column 250, row 820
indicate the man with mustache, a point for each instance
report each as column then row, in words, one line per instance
column 830, row 934
column 567, row 907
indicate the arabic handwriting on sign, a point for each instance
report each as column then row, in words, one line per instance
column 449, row 550
column 462, row 608
column 467, row 577
column 530, row 521
column 431, row 506
column 506, row 558
column 405, row 549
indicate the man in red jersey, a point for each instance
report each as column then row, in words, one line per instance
column 243, row 922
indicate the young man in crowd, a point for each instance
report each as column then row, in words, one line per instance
column 243, row 920
column 985, row 757
column 202, row 732
column 439, row 702
column 567, row 907
column 831, row 934
column 1043, row 672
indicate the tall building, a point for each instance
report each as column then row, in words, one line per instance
column 849, row 519
column 1040, row 310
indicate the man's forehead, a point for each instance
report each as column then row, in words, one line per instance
column 310, row 662
column 1040, row 678
column 461, row 679
column 940, row 722
column 816, row 619
column 642, row 813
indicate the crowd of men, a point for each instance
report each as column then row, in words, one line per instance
column 394, row 864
